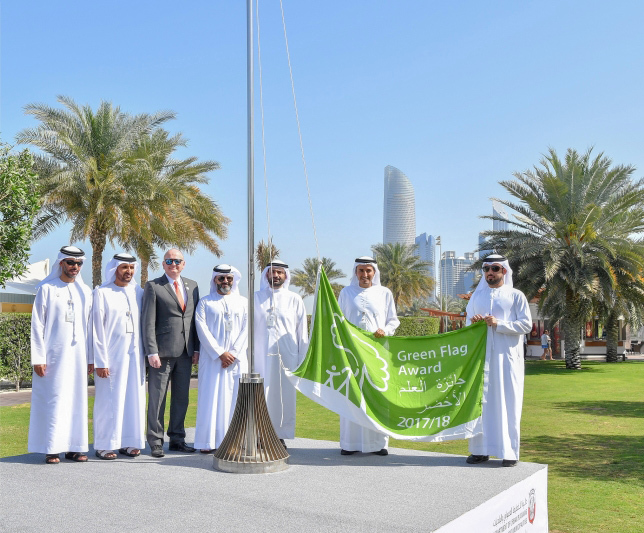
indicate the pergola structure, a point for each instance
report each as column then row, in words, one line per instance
column 447, row 319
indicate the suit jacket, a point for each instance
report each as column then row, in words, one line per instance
column 165, row 328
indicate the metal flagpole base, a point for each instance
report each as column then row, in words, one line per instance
column 251, row 445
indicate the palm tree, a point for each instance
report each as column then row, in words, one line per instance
column 172, row 210
column 447, row 303
column 403, row 272
column 265, row 253
column 305, row 279
column 415, row 309
column 574, row 219
column 96, row 173
column 81, row 170
column 628, row 302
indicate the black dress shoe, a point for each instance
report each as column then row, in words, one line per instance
column 383, row 452
column 476, row 459
column 347, row 452
column 157, row 451
column 509, row 462
column 181, row 447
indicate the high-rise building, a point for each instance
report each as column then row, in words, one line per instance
column 455, row 277
column 483, row 253
column 499, row 211
column 497, row 225
column 426, row 250
column 399, row 213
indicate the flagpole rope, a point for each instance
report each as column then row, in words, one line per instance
column 261, row 106
column 306, row 177
column 299, row 132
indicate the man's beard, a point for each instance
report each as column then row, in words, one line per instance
column 276, row 283
column 224, row 289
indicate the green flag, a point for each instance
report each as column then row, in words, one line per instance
column 413, row 388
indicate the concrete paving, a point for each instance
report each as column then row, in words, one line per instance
column 322, row 490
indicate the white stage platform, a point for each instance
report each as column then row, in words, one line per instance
column 321, row 491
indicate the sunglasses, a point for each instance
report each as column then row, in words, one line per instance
column 175, row 261
column 225, row 278
column 493, row 268
column 71, row 262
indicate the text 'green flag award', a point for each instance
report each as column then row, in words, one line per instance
column 412, row 388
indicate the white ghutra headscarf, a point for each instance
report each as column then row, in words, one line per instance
column 119, row 259
column 365, row 260
column 66, row 252
column 496, row 259
column 276, row 263
column 222, row 270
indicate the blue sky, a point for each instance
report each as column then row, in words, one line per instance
column 457, row 95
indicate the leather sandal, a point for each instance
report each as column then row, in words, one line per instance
column 52, row 459
column 108, row 455
column 78, row 457
column 130, row 452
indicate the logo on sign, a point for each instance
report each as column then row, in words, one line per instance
column 532, row 506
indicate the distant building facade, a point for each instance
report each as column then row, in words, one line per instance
column 483, row 253
column 455, row 275
column 426, row 250
column 499, row 211
column 497, row 225
column 399, row 211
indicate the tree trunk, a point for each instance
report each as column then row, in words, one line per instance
column 571, row 327
column 16, row 380
column 144, row 270
column 572, row 339
column 612, row 336
column 97, row 240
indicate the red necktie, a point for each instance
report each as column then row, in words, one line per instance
column 179, row 295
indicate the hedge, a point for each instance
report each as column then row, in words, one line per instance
column 411, row 326
column 15, row 342
column 417, row 326
column 15, row 347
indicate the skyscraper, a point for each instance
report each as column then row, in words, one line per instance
column 483, row 253
column 456, row 277
column 399, row 213
column 426, row 251
column 497, row 225
column 499, row 211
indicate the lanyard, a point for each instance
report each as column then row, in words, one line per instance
column 129, row 318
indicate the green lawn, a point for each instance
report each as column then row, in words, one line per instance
column 588, row 426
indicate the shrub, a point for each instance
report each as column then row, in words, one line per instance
column 410, row 326
column 417, row 326
column 15, row 347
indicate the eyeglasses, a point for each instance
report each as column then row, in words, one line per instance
column 493, row 268
column 71, row 262
column 175, row 261
column 225, row 278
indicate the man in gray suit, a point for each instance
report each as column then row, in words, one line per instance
column 171, row 345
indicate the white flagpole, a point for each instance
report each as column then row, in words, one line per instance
column 251, row 184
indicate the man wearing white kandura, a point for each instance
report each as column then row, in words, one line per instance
column 507, row 314
column 280, row 338
column 370, row 306
column 119, row 405
column 222, row 326
column 59, row 330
